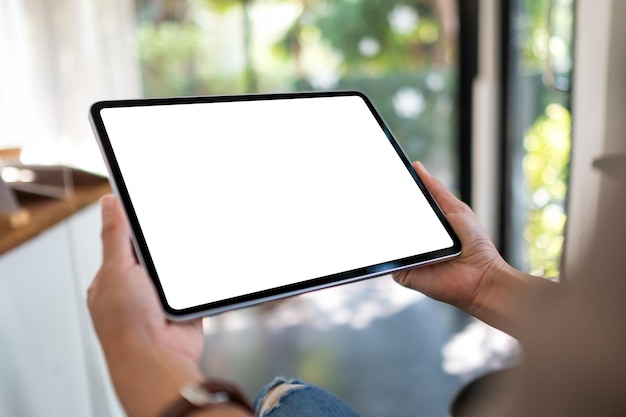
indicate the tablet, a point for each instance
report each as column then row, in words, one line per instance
column 238, row 200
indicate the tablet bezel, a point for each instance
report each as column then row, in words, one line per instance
column 143, row 253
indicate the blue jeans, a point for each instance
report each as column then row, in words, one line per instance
column 292, row 398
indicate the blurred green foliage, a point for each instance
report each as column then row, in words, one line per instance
column 548, row 146
column 401, row 53
column 547, row 57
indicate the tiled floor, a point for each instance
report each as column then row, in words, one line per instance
column 385, row 350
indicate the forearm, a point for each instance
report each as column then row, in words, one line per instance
column 503, row 298
column 148, row 379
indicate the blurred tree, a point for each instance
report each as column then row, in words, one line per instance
column 548, row 146
column 546, row 57
column 169, row 58
column 168, row 46
column 379, row 35
column 250, row 75
column 160, row 11
column 401, row 53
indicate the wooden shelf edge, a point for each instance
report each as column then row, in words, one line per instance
column 46, row 213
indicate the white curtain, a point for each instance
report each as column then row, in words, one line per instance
column 56, row 58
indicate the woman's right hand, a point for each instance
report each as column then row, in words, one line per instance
column 478, row 281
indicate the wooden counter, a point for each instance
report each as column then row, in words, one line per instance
column 46, row 212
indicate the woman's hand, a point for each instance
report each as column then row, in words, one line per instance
column 123, row 301
column 478, row 281
column 149, row 357
column 456, row 281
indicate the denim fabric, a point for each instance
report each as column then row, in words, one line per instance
column 300, row 400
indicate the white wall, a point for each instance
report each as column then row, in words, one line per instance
column 42, row 362
column 599, row 114
column 486, row 140
column 51, row 364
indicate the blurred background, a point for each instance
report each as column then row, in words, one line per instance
column 416, row 59
column 480, row 91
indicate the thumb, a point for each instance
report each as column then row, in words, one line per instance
column 116, row 240
column 444, row 197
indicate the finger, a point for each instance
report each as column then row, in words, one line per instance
column 439, row 192
column 424, row 175
column 446, row 200
column 116, row 240
column 434, row 186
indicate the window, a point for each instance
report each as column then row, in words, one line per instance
column 402, row 53
column 536, row 129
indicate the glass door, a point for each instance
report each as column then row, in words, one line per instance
column 536, row 131
column 404, row 54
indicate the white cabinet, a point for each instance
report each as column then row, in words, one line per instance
column 50, row 361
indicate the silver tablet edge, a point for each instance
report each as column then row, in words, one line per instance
column 218, row 310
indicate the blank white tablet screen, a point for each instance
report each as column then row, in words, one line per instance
column 244, row 196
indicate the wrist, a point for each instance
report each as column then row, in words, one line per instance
column 502, row 296
column 148, row 378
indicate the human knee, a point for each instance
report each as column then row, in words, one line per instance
column 294, row 398
column 278, row 392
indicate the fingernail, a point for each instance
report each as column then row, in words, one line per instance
column 422, row 167
column 107, row 203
